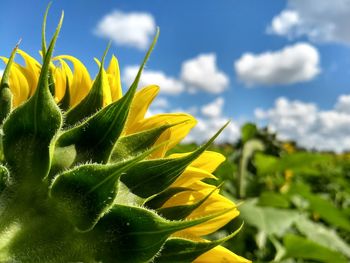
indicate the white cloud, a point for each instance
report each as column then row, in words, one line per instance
column 209, row 121
column 292, row 64
column 343, row 104
column 168, row 85
column 131, row 29
column 202, row 73
column 284, row 23
column 159, row 105
column 198, row 74
column 289, row 117
column 319, row 20
column 1, row 72
column 206, row 128
column 160, row 102
column 310, row 126
column 214, row 108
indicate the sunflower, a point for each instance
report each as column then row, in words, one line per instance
column 184, row 197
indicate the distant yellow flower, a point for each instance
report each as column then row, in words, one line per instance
column 288, row 176
column 76, row 82
column 288, row 147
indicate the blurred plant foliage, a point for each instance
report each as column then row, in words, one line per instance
column 295, row 203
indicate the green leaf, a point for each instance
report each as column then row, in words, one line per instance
column 4, row 177
column 302, row 162
column 273, row 199
column 266, row 164
column 158, row 200
column 133, row 144
column 134, row 234
column 150, row 177
column 178, row 250
column 87, row 191
column 322, row 235
column 249, row 150
column 248, row 131
column 93, row 101
column 28, row 131
column 326, row 209
column 268, row 219
column 280, row 250
column 301, row 248
column 329, row 212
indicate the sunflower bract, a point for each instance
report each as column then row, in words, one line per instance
column 84, row 176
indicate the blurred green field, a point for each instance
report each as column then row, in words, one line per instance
column 295, row 203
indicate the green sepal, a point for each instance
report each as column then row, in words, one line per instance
column 180, row 212
column 63, row 158
column 133, row 144
column 134, row 234
column 29, row 129
column 93, row 101
column 179, row 250
column 2, row 157
column 43, row 30
column 5, row 91
column 153, row 176
column 86, row 192
column 52, row 86
column 51, row 80
column 156, row 201
column 94, row 139
column 4, row 178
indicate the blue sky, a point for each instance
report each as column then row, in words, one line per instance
column 296, row 78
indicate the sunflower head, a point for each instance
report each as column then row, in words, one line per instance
column 84, row 176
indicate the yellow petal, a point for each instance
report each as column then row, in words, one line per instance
column 31, row 70
column 60, row 79
column 107, row 96
column 81, row 82
column 214, row 204
column 190, row 176
column 220, row 254
column 19, row 86
column 207, row 161
column 62, row 74
column 106, row 85
column 161, row 151
column 209, row 227
column 171, row 136
column 139, row 106
column 60, row 83
column 184, row 198
column 113, row 74
column 18, row 83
